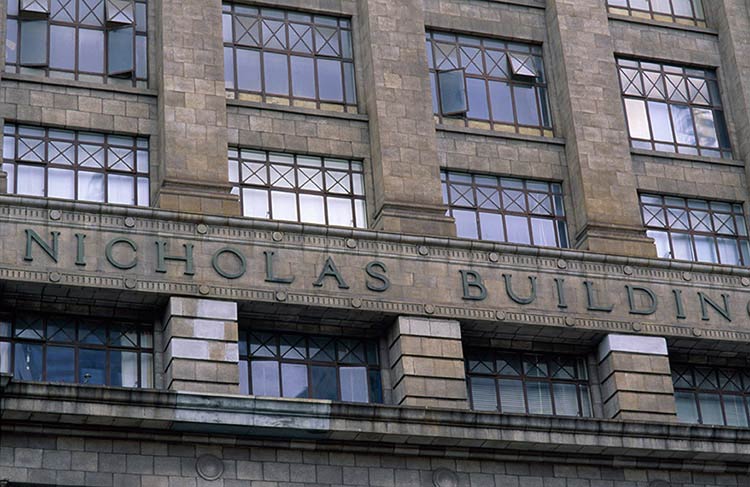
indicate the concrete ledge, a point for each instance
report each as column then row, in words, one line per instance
column 242, row 416
column 632, row 344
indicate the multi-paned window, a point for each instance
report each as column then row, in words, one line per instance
column 711, row 395
column 488, row 83
column 57, row 348
column 687, row 12
column 298, row 188
column 86, row 40
column 309, row 366
column 503, row 209
column 697, row 230
column 85, row 166
column 528, row 383
column 674, row 109
column 289, row 58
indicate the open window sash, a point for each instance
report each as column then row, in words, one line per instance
column 34, row 43
column 120, row 12
column 522, row 66
column 121, row 52
column 453, row 92
column 34, row 8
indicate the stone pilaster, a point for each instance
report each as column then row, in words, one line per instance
column 426, row 361
column 397, row 94
column 201, row 353
column 732, row 19
column 592, row 120
column 192, row 109
column 636, row 380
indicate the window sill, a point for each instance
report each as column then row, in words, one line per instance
column 79, row 84
column 682, row 157
column 501, row 135
column 521, row 3
column 664, row 25
column 358, row 117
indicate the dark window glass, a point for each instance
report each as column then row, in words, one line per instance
column 503, row 84
column 711, row 395
column 88, row 40
column 687, row 12
column 74, row 165
column 72, row 350
column 500, row 209
column 512, row 382
column 697, row 230
column 299, row 188
column 673, row 109
column 309, row 366
column 288, row 58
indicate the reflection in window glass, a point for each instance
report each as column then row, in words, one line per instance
column 298, row 188
column 527, row 383
column 512, row 210
column 76, row 165
column 309, row 366
column 673, row 108
column 688, row 12
column 697, row 230
column 505, row 83
column 73, row 40
column 289, row 58
column 68, row 349
column 711, row 395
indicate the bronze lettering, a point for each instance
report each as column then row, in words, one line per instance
column 330, row 270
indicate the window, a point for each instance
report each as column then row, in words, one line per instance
column 71, row 165
column 47, row 348
column 711, row 395
column 298, row 188
column 697, row 230
column 289, row 58
column 488, row 84
column 101, row 41
column 309, row 366
column 688, row 12
column 501, row 209
column 673, row 109
column 530, row 383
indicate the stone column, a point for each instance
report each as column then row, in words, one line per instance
column 200, row 346
column 427, row 363
column 592, row 120
column 395, row 85
column 732, row 19
column 636, row 380
column 192, row 109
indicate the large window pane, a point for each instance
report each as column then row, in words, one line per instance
column 265, row 378
column 294, row 380
column 483, row 394
column 120, row 56
column 248, row 70
column 91, row 42
column 324, row 383
column 511, row 396
column 28, row 360
column 33, row 42
column 62, row 47
column 353, row 384
column 92, row 367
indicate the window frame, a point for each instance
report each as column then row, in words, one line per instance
column 695, row 390
column 78, row 344
column 583, row 385
column 343, row 24
column 736, row 214
column 369, row 345
column 650, row 13
column 140, row 144
column 666, row 69
column 105, row 77
column 357, row 201
column 558, row 216
column 504, row 48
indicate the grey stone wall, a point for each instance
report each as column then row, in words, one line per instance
column 171, row 462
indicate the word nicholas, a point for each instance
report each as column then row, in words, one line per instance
column 230, row 263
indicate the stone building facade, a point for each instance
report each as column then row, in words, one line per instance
column 375, row 242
